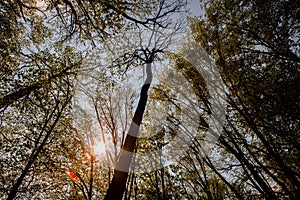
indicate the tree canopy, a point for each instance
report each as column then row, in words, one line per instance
column 95, row 94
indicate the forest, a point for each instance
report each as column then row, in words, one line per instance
column 149, row 99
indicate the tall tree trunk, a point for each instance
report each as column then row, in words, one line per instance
column 118, row 184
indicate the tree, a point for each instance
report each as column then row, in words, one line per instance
column 38, row 78
column 255, row 47
column 38, row 117
column 147, row 52
column 36, row 91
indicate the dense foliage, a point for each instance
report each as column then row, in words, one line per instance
column 71, row 74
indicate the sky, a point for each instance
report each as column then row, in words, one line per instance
column 194, row 6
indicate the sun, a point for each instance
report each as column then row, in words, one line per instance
column 99, row 148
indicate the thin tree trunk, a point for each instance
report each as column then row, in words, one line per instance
column 8, row 99
column 35, row 155
column 90, row 192
column 118, row 184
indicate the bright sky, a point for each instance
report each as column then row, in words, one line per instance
column 99, row 148
column 194, row 6
column 41, row 4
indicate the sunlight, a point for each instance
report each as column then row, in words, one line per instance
column 41, row 4
column 99, row 148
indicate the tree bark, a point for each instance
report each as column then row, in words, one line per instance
column 118, row 185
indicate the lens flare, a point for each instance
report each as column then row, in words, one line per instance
column 72, row 175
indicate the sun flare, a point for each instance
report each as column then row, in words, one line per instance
column 99, row 148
